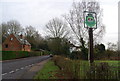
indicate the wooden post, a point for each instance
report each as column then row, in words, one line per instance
column 90, row 55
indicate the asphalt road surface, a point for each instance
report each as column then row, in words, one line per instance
column 15, row 69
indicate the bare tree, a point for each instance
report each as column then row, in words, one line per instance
column 14, row 26
column 30, row 31
column 11, row 26
column 75, row 21
column 33, row 36
column 112, row 46
column 0, row 34
column 57, row 28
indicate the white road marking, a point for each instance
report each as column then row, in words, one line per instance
column 11, row 72
column 16, row 69
column 4, row 74
column 22, row 68
column 30, row 65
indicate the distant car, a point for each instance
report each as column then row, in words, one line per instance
column 51, row 55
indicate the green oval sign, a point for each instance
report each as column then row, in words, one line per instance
column 90, row 21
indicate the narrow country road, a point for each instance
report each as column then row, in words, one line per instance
column 15, row 69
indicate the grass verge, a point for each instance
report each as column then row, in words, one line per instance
column 48, row 72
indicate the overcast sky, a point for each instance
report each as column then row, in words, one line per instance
column 38, row 12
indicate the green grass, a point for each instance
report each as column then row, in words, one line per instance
column 84, row 66
column 48, row 72
column 110, row 62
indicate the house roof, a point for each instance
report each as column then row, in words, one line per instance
column 21, row 40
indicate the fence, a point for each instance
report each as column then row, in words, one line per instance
column 101, row 70
column 80, row 69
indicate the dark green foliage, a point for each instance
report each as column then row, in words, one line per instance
column 99, row 51
column 54, row 45
column 75, row 55
column 111, row 55
column 43, row 45
column 8, row 55
column 65, row 46
column 84, row 52
column 59, row 46
column 100, row 48
column 101, row 54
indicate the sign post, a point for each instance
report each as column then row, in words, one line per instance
column 90, row 55
column 90, row 22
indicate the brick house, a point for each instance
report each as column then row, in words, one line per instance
column 16, row 43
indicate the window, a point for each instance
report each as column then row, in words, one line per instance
column 11, row 39
column 6, row 45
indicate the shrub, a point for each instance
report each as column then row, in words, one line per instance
column 101, row 71
column 70, row 69
column 8, row 55
column 80, row 69
column 76, row 69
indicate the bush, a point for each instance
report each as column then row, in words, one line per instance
column 8, row 55
column 76, row 69
column 75, row 55
column 101, row 71
column 35, row 53
column 80, row 69
column 70, row 69
column 107, row 55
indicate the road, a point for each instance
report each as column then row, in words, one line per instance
column 15, row 69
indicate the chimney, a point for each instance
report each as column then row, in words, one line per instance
column 21, row 36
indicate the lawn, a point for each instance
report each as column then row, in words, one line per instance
column 48, row 72
column 114, row 63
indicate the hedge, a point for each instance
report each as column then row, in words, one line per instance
column 80, row 69
column 8, row 55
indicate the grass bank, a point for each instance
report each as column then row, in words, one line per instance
column 48, row 72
